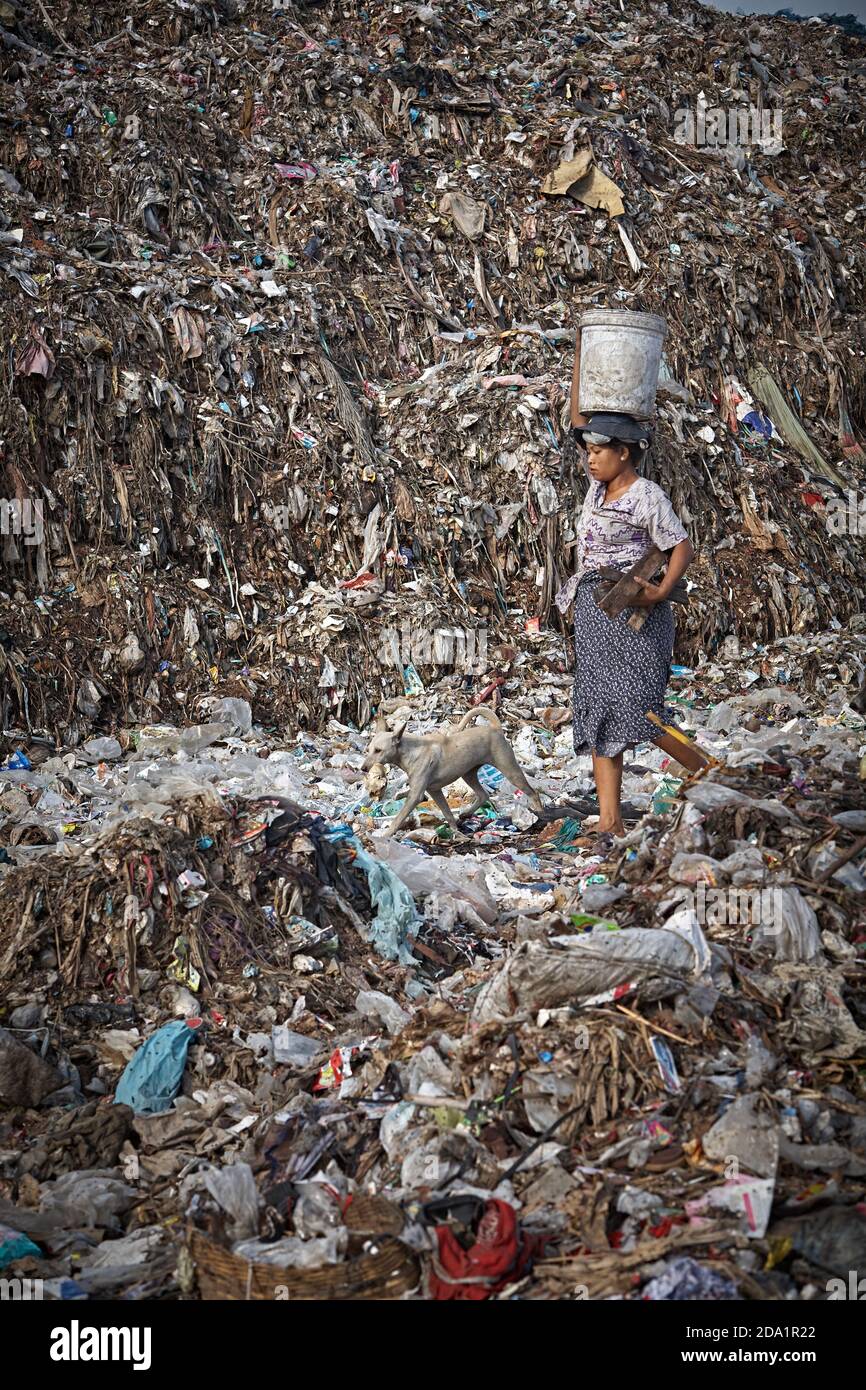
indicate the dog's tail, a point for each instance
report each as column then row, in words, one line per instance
column 479, row 709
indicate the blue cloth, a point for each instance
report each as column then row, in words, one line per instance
column 153, row 1076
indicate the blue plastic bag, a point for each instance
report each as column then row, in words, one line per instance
column 19, row 762
column 152, row 1077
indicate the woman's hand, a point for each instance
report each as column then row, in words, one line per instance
column 652, row 594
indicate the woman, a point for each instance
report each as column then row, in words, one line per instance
column 620, row 674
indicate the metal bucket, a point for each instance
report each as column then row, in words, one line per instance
column 620, row 354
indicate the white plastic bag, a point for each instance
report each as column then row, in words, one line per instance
column 788, row 926
column 376, row 1005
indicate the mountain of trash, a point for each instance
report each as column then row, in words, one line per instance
column 289, row 294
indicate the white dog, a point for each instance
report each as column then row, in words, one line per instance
column 433, row 761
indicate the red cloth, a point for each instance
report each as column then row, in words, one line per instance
column 501, row 1254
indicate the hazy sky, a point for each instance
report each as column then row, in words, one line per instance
column 856, row 7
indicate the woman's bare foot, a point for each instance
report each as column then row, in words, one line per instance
column 614, row 827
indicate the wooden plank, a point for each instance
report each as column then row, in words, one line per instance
column 623, row 593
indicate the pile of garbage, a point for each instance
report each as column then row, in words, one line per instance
column 289, row 294
column 252, row 1048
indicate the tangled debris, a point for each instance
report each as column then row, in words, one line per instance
column 289, row 298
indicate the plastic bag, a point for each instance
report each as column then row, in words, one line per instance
column 153, row 1078
column 431, row 1164
column 773, row 695
column 235, row 714
column 745, row 865
column 827, row 1158
column 685, row 1279
column 395, row 1131
column 694, row 868
column 165, row 738
column 597, row 967
column 714, row 796
column 787, row 925
column 428, row 1075
column 100, row 750
column 374, row 1004
column 293, row 1253
column 748, row 1199
column 748, row 1133
column 819, row 1018
column 598, row 896
column 317, row 1211
column 424, row 874
column 234, row 1189
column 123, row 1260
column 449, row 912
column 396, row 919
column 294, row 1049
column 833, row 1238
column 761, row 1063
column 25, row 1077
column 722, row 718
column 93, row 1198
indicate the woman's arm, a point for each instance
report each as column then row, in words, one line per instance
column 678, row 562
column 577, row 420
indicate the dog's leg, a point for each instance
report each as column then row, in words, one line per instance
column 474, row 785
column 439, row 798
column 505, row 761
column 413, row 796
column 416, row 792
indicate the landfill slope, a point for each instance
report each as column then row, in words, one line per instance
column 287, row 320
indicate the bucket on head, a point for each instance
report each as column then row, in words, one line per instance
column 620, row 354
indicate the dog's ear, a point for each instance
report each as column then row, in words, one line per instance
column 400, row 731
column 381, row 724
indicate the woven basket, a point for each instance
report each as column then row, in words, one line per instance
column 373, row 1215
column 390, row 1272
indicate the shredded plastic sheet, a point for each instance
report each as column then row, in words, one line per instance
column 390, row 931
